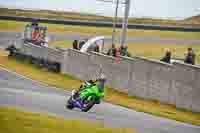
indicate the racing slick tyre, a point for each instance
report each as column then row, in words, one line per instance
column 89, row 104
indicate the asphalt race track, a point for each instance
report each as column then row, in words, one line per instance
column 7, row 38
column 28, row 95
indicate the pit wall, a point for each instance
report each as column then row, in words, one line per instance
column 177, row 84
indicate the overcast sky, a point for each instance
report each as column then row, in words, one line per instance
column 174, row 9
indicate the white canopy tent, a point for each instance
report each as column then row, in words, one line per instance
column 91, row 43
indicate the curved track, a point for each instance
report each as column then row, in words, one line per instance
column 22, row 93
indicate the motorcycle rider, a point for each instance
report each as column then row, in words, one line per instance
column 87, row 84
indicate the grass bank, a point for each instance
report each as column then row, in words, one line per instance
column 13, row 121
column 61, row 44
column 112, row 96
column 13, row 26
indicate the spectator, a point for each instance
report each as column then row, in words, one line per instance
column 28, row 33
column 167, row 57
column 75, row 44
column 36, row 36
column 96, row 48
column 112, row 51
column 35, row 23
column 81, row 44
column 190, row 57
column 124, row 51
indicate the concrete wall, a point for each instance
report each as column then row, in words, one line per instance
column 150, row 79
column 89, row 66
column 176, row 84
column 80, row 65
column 186, row 86
column 42, row 52
column 118, row 75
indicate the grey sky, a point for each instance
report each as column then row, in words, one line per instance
column 175, row 9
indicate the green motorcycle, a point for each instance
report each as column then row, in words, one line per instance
column 86, row 98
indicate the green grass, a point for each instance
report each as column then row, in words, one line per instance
column 61, row 44
column 94, row 31
column 112, row 96
column 13, row 121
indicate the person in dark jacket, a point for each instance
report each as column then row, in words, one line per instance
column 167, row 57
column 81, row 44
column 96, row 48
column 75, row 44
column 112, row 51
column 124, row 51
column 35, row 23
column 190, row 57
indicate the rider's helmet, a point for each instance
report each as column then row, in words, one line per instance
column 92, row 81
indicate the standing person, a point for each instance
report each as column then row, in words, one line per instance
column 81, row 44
column 112, row 51
column 35, row 23
column 28, row 33
column 124, row 51
column 75, row 44
column 167, row 57
column 96, row 48
column 36, row 36
column 190, row 57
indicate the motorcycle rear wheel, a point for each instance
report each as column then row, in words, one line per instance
column 69, row 104
column 89, row 105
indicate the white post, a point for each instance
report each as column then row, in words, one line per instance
column 125, row 23
column 114, row 23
